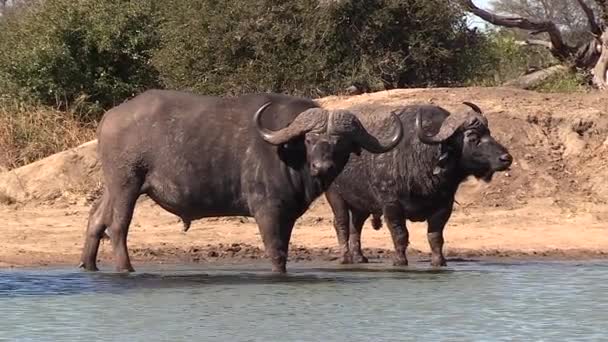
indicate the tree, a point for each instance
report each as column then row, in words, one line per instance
column 588, row 54
column 311, row 48
column 57, row 51
column 566, row 14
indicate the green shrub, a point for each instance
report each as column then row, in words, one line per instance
column 565, row 82
column 55, row 51
column 502, row 58
column 310, row 48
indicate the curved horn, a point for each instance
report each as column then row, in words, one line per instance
column 257, row 118
column 448, row 127
column 477, row 110
column 371, row 143
column 473, row 106
column 304, row 122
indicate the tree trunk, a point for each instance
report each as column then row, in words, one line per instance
column 599, row 71
column 536, row 78
column 591, row 55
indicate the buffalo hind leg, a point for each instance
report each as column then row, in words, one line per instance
column 395, row 220
column 436, row 224
column 341, row 224
column 356, row 227
column 99, row 220
column 276, row 233
column 123, row 207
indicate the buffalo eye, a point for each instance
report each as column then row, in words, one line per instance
column 472, row 137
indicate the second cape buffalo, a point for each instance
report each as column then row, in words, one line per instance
column 262, row 155
column 416, row 181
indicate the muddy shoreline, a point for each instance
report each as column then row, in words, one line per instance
column 239, row 253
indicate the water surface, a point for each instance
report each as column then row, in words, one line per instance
column 473, row 301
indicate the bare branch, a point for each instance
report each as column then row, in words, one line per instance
column 558, row 46
column 593, row 26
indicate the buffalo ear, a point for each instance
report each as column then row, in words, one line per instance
column 356, row 150
column 293, row 146
column 293, row 152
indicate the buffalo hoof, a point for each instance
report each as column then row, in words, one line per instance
column 438, row 262
column 360, row 259
column 346, row 259
column 279, row 269
column 125, row 269
column 90, row 268
column 400, row 262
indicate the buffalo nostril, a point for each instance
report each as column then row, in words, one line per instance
column 506, row 158
column 321, row 167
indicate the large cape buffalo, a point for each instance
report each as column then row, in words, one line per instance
column 417, row 180
column 264, row 155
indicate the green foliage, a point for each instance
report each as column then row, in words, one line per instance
column 55, row 51
column 502, row 58
column 224, row 47
column 311, row 48
column 565, row 82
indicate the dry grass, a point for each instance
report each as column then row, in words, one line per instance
column 29, row 133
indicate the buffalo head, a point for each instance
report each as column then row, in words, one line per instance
column 329, row 137
column 480, row 154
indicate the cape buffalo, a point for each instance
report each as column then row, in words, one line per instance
column 415, row 181
column 263, row 155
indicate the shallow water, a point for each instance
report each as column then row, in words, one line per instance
column 474, row 301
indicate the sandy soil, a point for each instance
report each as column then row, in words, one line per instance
column 552, row 204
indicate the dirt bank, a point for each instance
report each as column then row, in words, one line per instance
column 553, row 203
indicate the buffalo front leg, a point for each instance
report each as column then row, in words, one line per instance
column 356, row 227
column 341, row 224
column 276, row 233
column 436, row 224
column 99, row 219
column 395, row 220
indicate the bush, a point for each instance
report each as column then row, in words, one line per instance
column 55, row 51
column 310, row 48
column 565, row 82
column 502, row 58
column 233, row 47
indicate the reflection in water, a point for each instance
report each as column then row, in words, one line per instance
column 33, row 283
column 468, row 301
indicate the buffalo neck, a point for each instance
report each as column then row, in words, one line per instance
column 309, row 187
column 431, row 177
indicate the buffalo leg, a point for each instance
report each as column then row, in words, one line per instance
column 99, row 219
column 123, row 208
column 276, row 233
column 436, row 224
column 395, row 220
column 356, row 227
column 341, row 224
